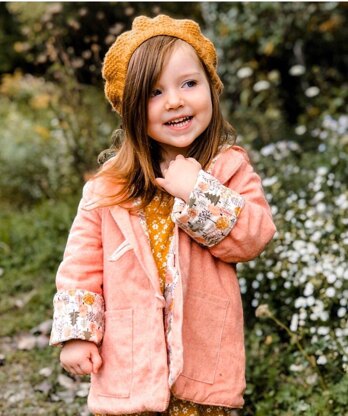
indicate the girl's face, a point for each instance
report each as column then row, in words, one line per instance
column 180, row 107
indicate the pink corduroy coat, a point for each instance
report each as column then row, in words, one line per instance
column 108, row 256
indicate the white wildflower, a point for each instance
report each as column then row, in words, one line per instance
column 310, row 301
column 322, row 360
column 324, row 316
column 309, row 289
column 263, row 311
column 331, row 278
column 318, row 197
column 296, row 367
column 338, row 284
column 270, row 181
column 323, row 330
column 330, row 292
column 300, row 130
column 312, row 379
column 341, row 312
column 302, row 406
column 244, row 72
column 300, row 302
column 316, row 236
column 255, row 284
column 338, row 332
column 268, row 150
column 321, row 208
column 261, row 86
column 297, row 70
column 270, row 275
column 312, row 92
column 294, row 322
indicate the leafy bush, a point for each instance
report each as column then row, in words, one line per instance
column 50, row 136
column 300, row 282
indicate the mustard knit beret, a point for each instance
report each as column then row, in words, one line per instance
column 118, row 56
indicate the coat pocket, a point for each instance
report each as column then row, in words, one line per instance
column 204, row 320
column 120, row 250
column 115, row 376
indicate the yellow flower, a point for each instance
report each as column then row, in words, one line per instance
column 222, row 223
column 42, row 131
column 40, row 102
column 88, row 299
column 237, row 211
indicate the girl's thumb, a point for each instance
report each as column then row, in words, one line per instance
column 160, row 181
column 96, row 361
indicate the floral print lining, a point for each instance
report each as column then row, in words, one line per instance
column 78, row 314
column 172, row 279
column 211, row 211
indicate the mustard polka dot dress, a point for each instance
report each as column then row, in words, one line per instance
column 160, row 230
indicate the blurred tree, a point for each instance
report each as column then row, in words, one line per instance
column 9, row 34
column 283, row 64
column 75, row 34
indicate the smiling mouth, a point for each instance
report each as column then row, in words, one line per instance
column 179, row 122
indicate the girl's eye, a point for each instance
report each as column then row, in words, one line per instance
column 154, row 93
column 190, row 83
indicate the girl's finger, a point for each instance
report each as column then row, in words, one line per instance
column 96, row 362
column 76, row 370
column 84, row 369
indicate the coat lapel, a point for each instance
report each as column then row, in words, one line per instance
column 133, row 232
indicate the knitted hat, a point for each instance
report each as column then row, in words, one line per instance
column 118, row 56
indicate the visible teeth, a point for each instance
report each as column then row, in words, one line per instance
column 178, row 121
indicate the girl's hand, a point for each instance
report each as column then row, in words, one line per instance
column 180, row 177
column 80, row 357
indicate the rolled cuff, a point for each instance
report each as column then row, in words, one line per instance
column 78, row 314
column 211, row 211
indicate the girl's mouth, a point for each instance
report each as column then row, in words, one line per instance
column 179, row 122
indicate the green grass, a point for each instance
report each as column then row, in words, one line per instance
column 32, row 242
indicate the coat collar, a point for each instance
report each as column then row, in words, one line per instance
column 227, row 162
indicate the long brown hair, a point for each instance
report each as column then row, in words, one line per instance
column 137, row 156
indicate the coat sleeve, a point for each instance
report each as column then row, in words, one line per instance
column 78, row 303
column 233, row 220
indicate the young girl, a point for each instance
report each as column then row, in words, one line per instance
column 148, row 300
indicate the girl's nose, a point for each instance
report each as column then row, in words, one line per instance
column 174, row 101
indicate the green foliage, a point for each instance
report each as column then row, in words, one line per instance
column 31, row 246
